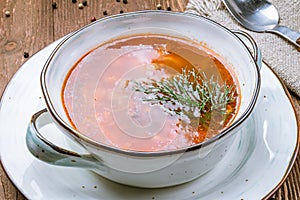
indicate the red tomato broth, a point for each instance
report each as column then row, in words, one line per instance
column 101, row 104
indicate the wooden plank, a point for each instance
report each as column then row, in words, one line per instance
column 28, row 29
column 68, row 17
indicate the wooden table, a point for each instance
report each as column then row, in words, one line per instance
column 28, row 26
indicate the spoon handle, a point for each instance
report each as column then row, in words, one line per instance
column 287, row 33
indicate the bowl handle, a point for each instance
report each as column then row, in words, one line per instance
column 250, row 43
column 48, row 152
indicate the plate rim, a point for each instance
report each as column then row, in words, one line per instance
column 296, row 150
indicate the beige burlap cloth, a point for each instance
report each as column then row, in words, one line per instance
column 279, row 54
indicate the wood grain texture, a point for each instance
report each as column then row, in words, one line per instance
column 33, row 24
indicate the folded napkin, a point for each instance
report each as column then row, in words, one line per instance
column 279, row 54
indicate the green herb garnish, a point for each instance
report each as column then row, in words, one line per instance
column 188, row 94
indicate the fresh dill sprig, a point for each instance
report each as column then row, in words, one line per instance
column 188, row 91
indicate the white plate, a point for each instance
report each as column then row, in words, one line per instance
column 258, row 162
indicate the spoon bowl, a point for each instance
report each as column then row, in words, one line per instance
column 261, row 16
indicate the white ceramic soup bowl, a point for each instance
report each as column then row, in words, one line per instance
column 142, row 169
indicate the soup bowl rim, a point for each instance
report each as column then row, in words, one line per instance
column 56, row 117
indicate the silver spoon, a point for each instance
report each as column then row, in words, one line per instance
column 261, row 16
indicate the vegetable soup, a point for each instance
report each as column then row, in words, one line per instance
column 150, row 93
